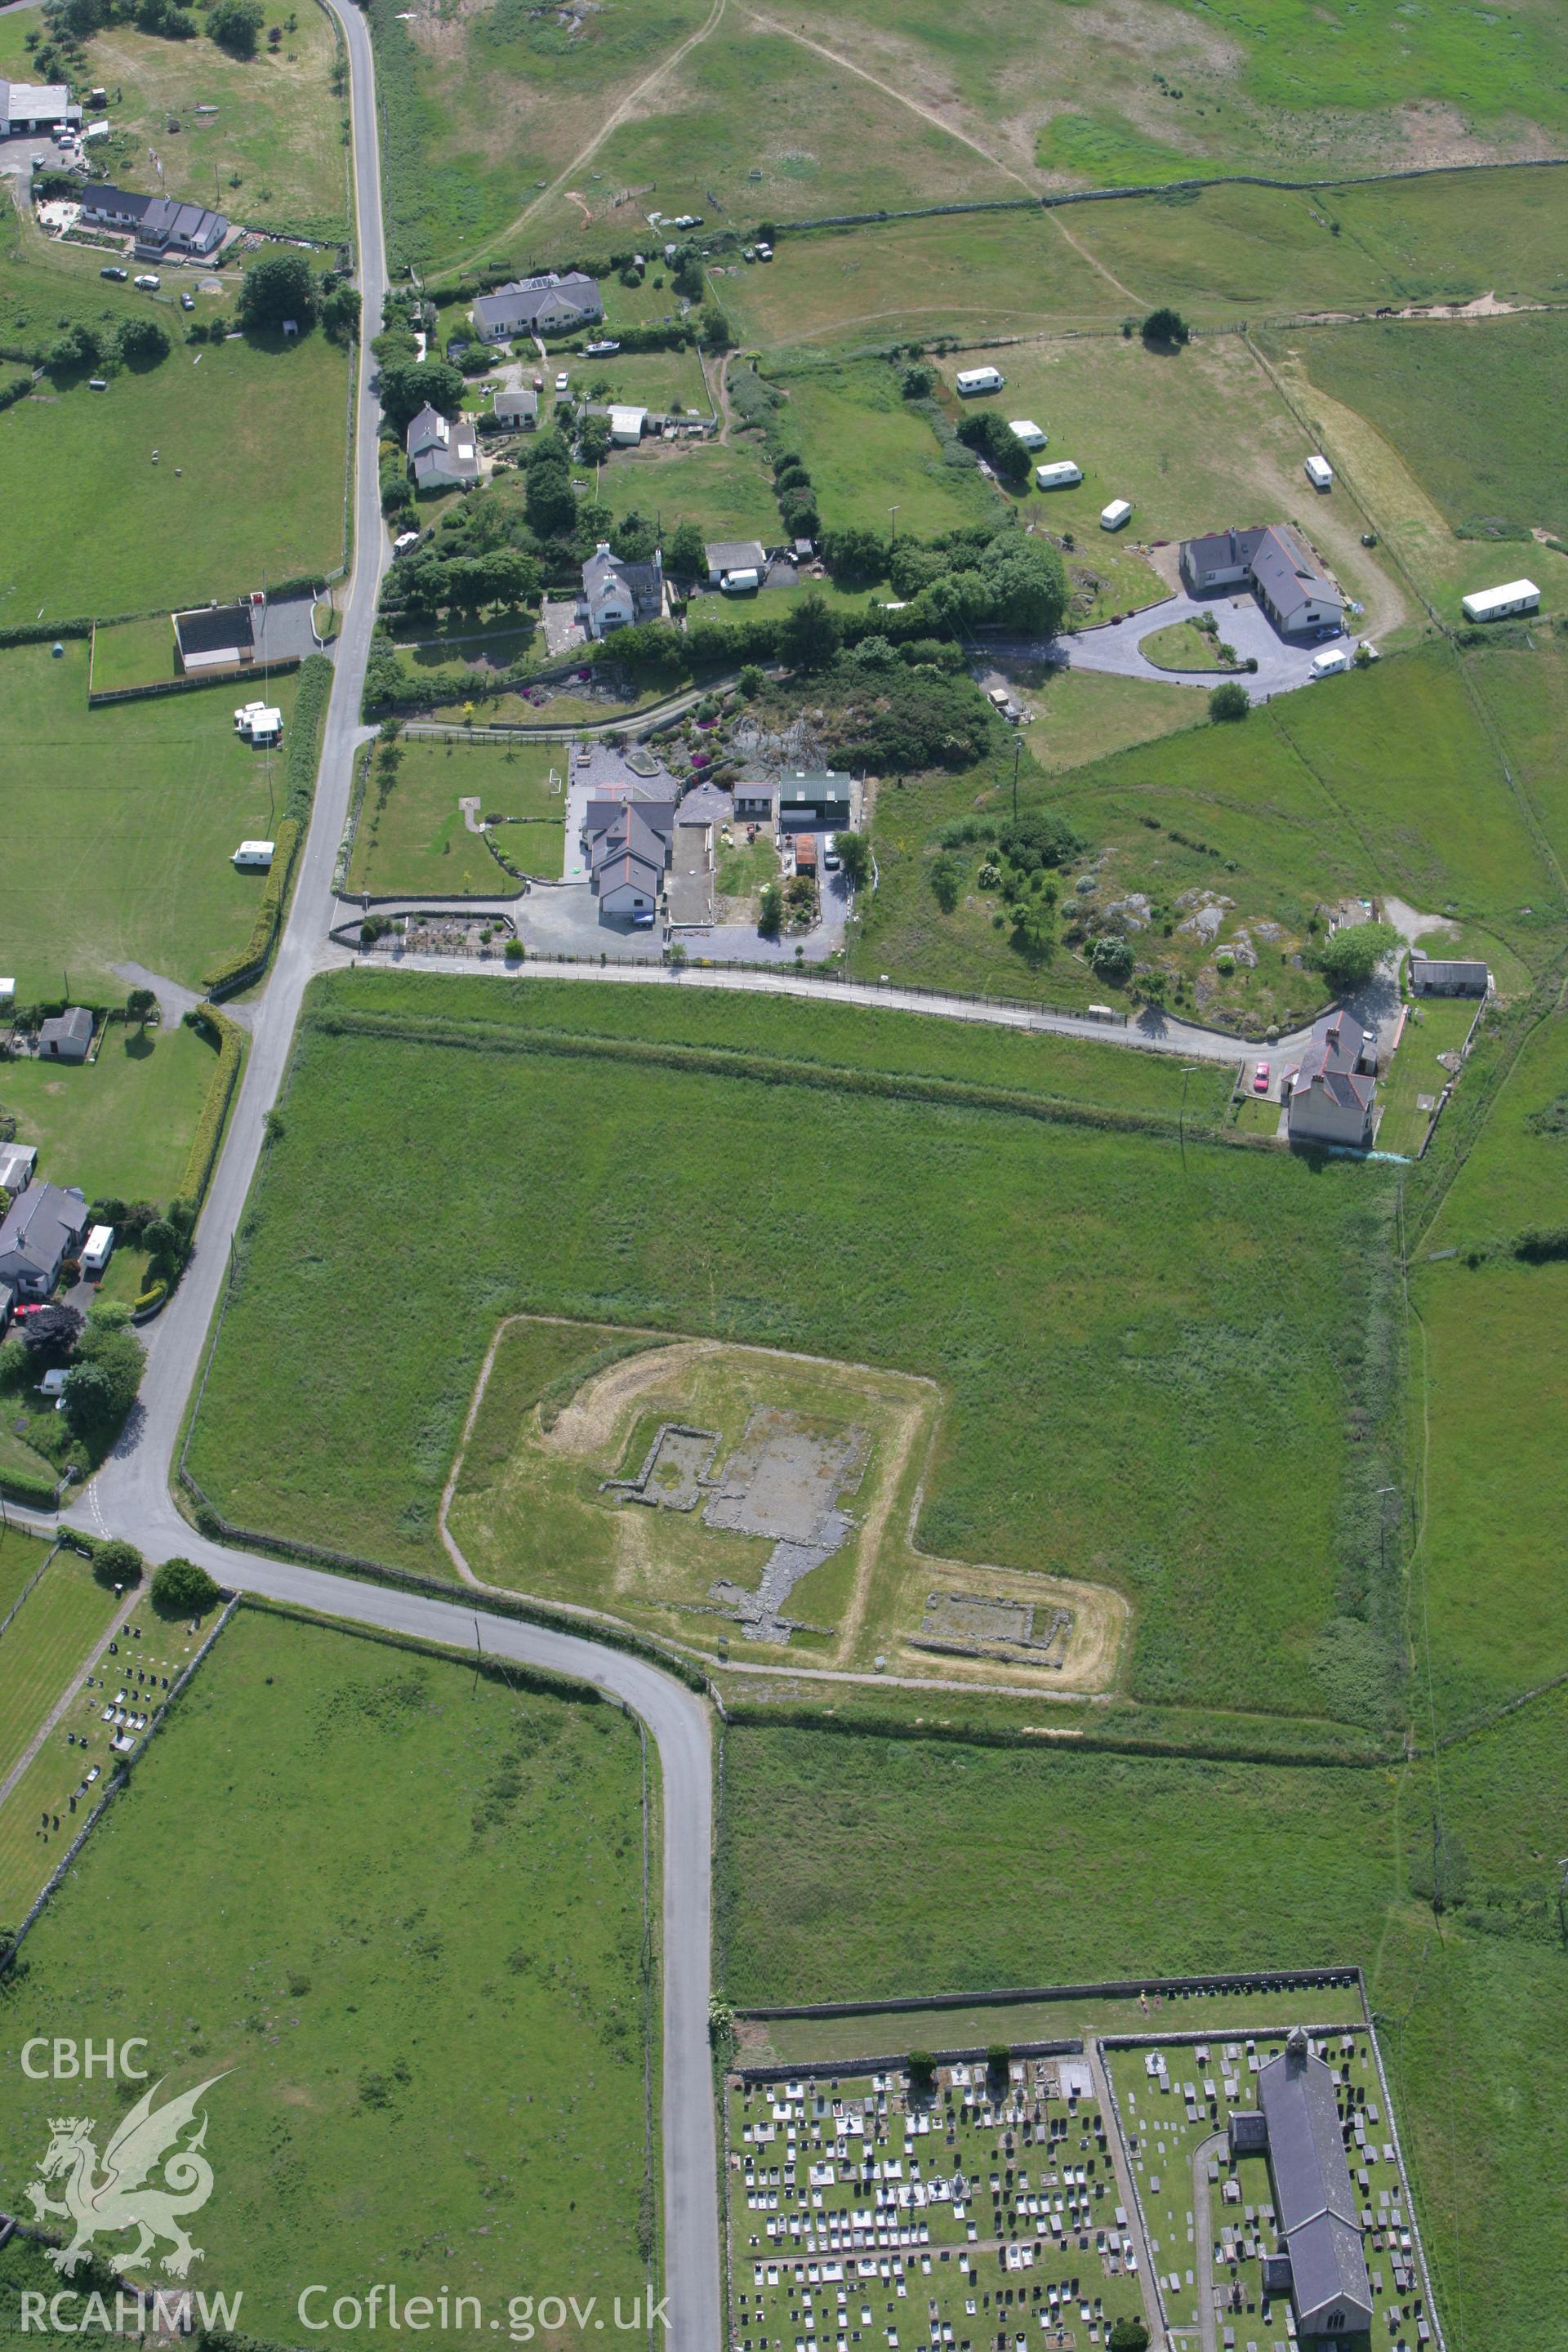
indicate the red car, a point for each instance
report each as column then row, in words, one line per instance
column 1261, row 1079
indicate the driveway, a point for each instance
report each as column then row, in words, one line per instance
column 1114, row 648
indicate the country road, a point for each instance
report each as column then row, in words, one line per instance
column 131, row 1494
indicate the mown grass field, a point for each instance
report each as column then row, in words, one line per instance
column 866, row 449
column 1391, row 785
column 272, row 155
column 132, row 813
column 44, row 1643
column 1128, row 1392
column 21, row 1556
column 122, row 1125
column 327, row 2000
column 249, row 477
column 414, row 836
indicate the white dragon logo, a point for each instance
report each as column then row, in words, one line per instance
column 119, row 2196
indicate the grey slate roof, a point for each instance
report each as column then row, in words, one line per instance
column 71, row 1027
column 1285, row 572
column 527, row 302
column 735, row 555
column 157, row 220
column 213, row 628
column 1312, row 2195
column 1330, row 1061
column 33, row 101
column 1436, row 972
column 40, row 1226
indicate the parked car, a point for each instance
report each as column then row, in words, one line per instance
column 115, row 272
column 188, row 301
column 563, row 382
column 1261, row 1079
column 148, row 282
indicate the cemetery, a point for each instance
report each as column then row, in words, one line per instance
column 744, row 1501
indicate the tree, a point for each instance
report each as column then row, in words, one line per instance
column 770, row 912
column 1348, row 960
column 101, row 1387
column 1110, row 956
column 855, row 858
column 593, row 441
column 340, row 316
column 141, row 342
column 634, row 537
column 688, row 277
column 917, row 380
column 751, row 680
column 279, row 285
column 713, row 331
column 1229, row 703
column 140, row 1004
column 686, row 553
column 118, row 1563
column 181, row 1589
column 811, row 634
column 1131, row 2334
column 52, row 1330
column 1166, row 329
column 1028, row 584
column 993, row 438
column 1039, row 838
column 233, row 25
column 946, row 882
column 860, row 556
column 75, row 350
column 1033, row 929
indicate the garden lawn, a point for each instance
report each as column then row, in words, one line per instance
column 298, row 1760
column 47, row 1641
column 1132, row 1397
column 131, row 814
column 248, row 483
column 416, row 838
column 724, row 490
column 272, row 154
column 651, row 380
column 1438, row 1024
column 120, row 1126
column 865, row 450
column 1182, row 645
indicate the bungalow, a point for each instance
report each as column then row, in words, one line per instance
column 217, row 637
column 726, row 555
column 68, row 1036
column 516, row 404
column 541, row 306
column 1334, row 1095
column 1272, row 560
column 26, row 108
column 442, row 454
column 159, row 224
column 617, row 596
column 40, row 1231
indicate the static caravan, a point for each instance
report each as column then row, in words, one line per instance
column 254, row 856
column 1059, row 474
column 1117, row 512
column 1497, row 604
column 1331, row 659
column 1028, row 433
column 97, row 1251
column 973, row 380
column 1320, row 473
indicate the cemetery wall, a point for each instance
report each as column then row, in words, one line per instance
column 1111, row 1988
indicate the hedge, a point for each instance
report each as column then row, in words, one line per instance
column 23, row 1486
column 17, row 389
column 43, row 633
column 230, row 1041
column 249, row 961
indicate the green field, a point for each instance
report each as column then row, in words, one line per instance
column 1182, row 645
column 249, row 477
column 865, row 449
column 723, row 490
column 135, row 812
column 1470, row 408
column 413, row 836
column 326, row 1997
column 122, row 1125
column 1392, row 784
column 1437, row 1026
column 47, row 1641
column 272, row 154
column 1130, row 1401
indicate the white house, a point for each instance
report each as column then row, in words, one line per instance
column 27, row 108
column 442, row 450
column 544, row 305
column 1496, row 603
column 1272, row 561
column 516, row 404
column 617, row 596
column 1334, row 1095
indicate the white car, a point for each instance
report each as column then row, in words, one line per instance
column 563, row 382
column 147, row 282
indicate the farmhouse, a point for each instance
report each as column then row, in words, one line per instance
column 516, row 404
column 537, row 306
column 28, row 107
column 813, row 801
column 441, row 452
column 159, row 225
column 725, row 555
column 68, row 1036
column 217, row 636
column 616, row 594
column 1320, row 2257
column 628, row 840
column 40, row 1231
column 1432, row 976
column 1292, row 588
column 1334, row 1094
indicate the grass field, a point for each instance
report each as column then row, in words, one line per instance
column 325, row 2000
column 1144, row 1418
column 71, row 1771
column 272, row 154
column 135, row 812
column 21, row 1556
column 1392, row 784
column 723, row 490
column 1437, row 1025
column 122, row 1125
column 865, row 449
column 44, row 1643
column 249, row 477
column 413, row 837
